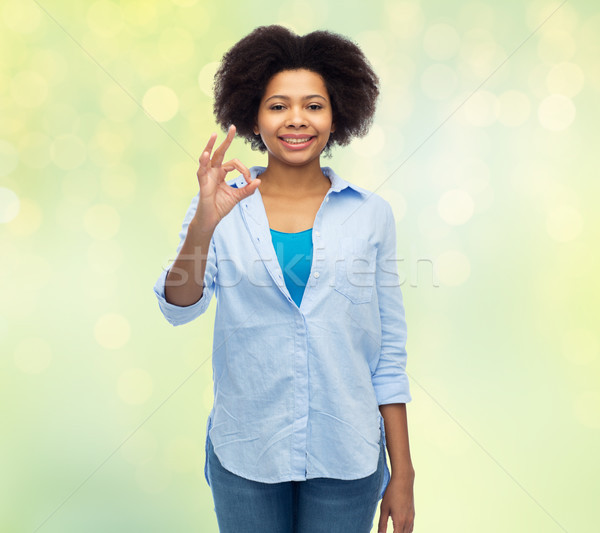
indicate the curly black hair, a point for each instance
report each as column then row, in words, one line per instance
column 246, row 69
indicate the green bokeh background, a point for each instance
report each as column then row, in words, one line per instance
column 486, row 145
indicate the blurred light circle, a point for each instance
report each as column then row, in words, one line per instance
column 481, row 109
column 556, row 112
column 206, row 77
column 556, row 46
column 108, row 143
column 560, row 14
column 456, row 207
column 176, row 45
column 50, row 64
column 441, row 42
column 135, row 386
column 28, row 89
column 22, row 17
column 405, row 18
column 586, row 407
column 28, row 220
column 112, row 331
column 580, row 345
column 564, row 223
column 105, row 256
column 102, row 221
column 439, row 81
column 371, row 144
column 565, row 78
column 9, row 158
column 479, row 54
column 161, row 103
column 514, row 108
column 140, row 14
column 104, row 18
column 452, row 268
column 68, row 152
column 9, row 205
column 32, row 356
column 373, row 44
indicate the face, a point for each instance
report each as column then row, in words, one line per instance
column 295, row 118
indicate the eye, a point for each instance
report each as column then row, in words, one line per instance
column 276, row 107
column 315, row 107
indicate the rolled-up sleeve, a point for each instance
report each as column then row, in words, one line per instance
column 175, row 314
column 389, row 379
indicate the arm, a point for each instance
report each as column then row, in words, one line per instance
column 396, row 433
column 391, row 385
column 184, row 291
column 398, row 500
column 184, row 282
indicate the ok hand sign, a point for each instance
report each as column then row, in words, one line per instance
column 216, row 197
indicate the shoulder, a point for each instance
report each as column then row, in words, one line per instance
column 351, row 190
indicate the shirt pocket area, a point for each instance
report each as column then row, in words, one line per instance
column 355, row 269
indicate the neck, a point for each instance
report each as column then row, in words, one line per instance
column 289, row 180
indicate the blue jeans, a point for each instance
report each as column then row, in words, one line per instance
column 320, row 505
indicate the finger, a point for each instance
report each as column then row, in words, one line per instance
column 210, row 144
column 217, row 158
column 203, row 168
column 237, row 164
column 383, row 520
column 247, row 190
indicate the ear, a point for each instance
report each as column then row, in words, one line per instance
column 332, row 129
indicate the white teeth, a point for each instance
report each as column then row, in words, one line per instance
column 296, row 141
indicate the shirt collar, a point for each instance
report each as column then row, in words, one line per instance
column 337, row 183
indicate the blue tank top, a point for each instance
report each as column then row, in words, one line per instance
column 294, row 253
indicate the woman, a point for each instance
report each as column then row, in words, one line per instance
column 309, row 341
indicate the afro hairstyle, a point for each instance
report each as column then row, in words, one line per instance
column 246, row 69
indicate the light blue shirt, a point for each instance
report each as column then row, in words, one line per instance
column 297, row 388
column 294, row 253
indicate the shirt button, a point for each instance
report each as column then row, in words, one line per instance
column 318, row 233
column 327, row 199
column 316, row 275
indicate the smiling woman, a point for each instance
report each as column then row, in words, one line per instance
column 309, row 347
column 294, row 119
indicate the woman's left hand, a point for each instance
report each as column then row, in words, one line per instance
column 398, row 503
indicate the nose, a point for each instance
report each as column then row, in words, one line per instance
column 296, row 118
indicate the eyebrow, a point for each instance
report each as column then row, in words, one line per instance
column 284, row 97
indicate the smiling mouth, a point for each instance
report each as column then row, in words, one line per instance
column 293, row 140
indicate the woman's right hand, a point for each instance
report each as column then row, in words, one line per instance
column 216, row 197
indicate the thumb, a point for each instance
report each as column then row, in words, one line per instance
column 383, row 520
column 248, row 189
